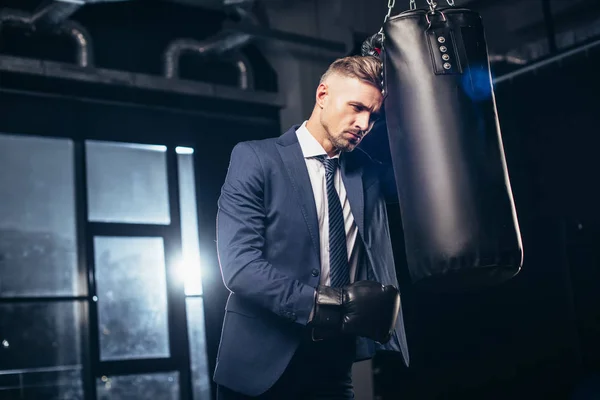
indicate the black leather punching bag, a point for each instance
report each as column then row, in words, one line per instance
column 458, row 214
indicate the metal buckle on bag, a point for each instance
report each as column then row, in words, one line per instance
column 433, row 12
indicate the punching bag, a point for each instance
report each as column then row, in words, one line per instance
column 458, row 214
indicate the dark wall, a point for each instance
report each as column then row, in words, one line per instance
column 534, row 337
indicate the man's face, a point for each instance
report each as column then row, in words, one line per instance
column 349, row 110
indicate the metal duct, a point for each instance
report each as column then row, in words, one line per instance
column 15, row 17
column 83, row 41
column 246, row 81
column 220, row 44
column 80, row 36
column 217, row 45
column 53, row 13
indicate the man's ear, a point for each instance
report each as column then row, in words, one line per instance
column 322, row 92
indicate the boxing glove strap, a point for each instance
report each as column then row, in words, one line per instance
column 328, row 309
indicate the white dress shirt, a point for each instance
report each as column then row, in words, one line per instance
column 311, row 148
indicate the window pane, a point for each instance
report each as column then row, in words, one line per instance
column 190, row 263
column 40, row 350
column 132, row 298
column 127, row 183
column 197, row 337
column 45, row 383
column 38, row 251
column 133, row 387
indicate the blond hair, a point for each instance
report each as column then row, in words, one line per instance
column 366, row 68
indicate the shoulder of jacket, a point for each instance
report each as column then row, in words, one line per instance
column 365, row 158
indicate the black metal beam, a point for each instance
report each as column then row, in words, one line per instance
column 42, row 299
column 11, row 96
column 88, row 321
column 546, row 61
column 102, row 76
column 127, row 230
column 137, row 366
column 549, row 23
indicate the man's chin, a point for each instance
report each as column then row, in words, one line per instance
column 347, row 148
column 346, row 145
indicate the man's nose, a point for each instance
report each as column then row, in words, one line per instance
column 362, row 122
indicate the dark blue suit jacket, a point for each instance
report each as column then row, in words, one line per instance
column 268, row 246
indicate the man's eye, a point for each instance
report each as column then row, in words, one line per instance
column 356, row 108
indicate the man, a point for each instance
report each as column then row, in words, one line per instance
column 305, row 251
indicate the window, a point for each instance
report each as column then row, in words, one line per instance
column 127, row 183
column 38, row 248
column 190, row 260
column 132, row 298
column 149, row 386
column 191, row 271
column 197, row 338
column 44, row 316
column 40, row 350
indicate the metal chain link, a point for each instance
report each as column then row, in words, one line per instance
column 413, row 6
column 431, row 3
column 391, row 4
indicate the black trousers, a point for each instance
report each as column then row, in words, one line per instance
column 318, row 371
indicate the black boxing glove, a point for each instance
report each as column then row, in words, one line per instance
column 372, row 46
column 364, row 308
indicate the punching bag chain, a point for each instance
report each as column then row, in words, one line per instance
column 391, row 4
column 413, row 5
column 432, row 4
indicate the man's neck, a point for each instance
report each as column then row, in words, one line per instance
column 319, row 133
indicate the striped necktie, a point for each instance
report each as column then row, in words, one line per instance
column 338, row 252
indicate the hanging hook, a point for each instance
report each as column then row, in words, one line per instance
column 433, row 13
column 432, row 4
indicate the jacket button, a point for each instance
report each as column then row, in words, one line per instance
column 315, row 272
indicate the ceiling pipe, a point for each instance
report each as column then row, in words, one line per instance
column 246, row 81
column 30, row 21
column 222, row 44
column 53, row 13
column 218, row 45
column 84, row 55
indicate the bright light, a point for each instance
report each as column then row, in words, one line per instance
column 150, row 147
column 184, row 150
column 188, row 272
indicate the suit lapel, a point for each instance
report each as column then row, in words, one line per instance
column 295, row 166
column 352, row 177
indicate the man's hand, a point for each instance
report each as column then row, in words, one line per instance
column 364, row 308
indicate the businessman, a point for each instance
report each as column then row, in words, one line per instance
column 304, row 248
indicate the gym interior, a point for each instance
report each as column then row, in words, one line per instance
column 117, row 122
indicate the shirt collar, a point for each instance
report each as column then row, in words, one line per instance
column 310, row 146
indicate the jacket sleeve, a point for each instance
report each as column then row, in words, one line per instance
column 241, row 242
